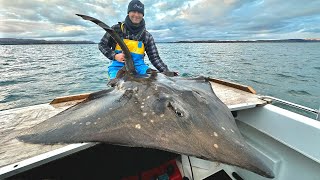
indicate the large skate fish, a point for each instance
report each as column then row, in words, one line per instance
column 167, row 113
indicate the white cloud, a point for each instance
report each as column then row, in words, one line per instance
column 166, row 19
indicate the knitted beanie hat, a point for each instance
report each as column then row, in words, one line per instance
column 136, row 5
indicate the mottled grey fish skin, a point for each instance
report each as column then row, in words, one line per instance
column 173, row 114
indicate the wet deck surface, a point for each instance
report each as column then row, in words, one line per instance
column 235, row 97
column 14, row 122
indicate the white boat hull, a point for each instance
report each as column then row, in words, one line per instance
column 286, row 141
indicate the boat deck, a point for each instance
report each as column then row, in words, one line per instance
column 18, row 156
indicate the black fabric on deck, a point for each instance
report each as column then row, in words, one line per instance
column 220, row 175
column 101, row 161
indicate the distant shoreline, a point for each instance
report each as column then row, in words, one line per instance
column 251, row 41
column 13, row 41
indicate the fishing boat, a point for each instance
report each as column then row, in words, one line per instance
column 288, row 142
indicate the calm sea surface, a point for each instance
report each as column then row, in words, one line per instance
column 35, row 74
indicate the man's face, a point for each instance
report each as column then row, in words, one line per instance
column 135, row 17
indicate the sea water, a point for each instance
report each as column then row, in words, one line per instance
column 35, row 74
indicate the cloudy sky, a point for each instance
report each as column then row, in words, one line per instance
column 167, row 20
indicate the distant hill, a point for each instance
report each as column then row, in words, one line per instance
column 250, row 41
column 14, row 41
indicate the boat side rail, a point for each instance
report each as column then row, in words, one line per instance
column 291, row 104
